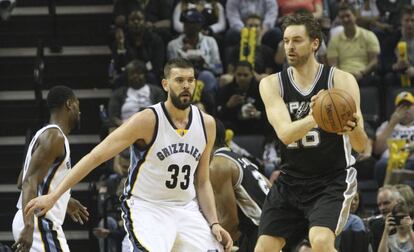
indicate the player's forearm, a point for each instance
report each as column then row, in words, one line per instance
column 383, row 246
column 358, row 139
column 231, row 227
column 29, row 190
column 206, row 200
column 380, row 144
column 78, row 172
column 296, row 130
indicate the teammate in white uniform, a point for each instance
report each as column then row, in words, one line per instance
column 47, row 163
column 168, row 182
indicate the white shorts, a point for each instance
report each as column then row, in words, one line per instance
column 47, row 236
column 160, row 228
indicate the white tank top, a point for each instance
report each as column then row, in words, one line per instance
column 59, row 169
column 164, row 171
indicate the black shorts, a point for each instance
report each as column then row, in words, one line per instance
column 294, row 205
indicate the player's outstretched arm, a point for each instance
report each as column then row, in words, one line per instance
column 50, row 146
column 278, row 115
column 139, row 126
column 78, row 212
column 354, row 129
column 204, row 189
column 221, row 176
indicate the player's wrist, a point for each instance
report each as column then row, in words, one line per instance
column 214, row 224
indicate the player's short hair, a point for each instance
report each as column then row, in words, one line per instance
column 58, row 96
column 312, row 26
column 220, row 134
column 176, row 63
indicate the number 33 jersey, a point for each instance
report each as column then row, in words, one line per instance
column 164, row 171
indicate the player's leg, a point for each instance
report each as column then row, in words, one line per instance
column 281, row 219
column 322, row 239
column 269, row 243
column 149, row 227
column 194, row 233
column 334, row 201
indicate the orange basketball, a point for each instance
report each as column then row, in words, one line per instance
column 332, row 109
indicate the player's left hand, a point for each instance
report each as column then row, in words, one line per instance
column 222, row 236
column 77, row 211
column 24, row 243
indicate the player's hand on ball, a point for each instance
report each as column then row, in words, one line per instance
column 351, row 124
column 77, row 211
column 39, row 205
column 313, row 99
column 223, row 237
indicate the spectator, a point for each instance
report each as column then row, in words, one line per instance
column 287, row 7
column 393, row 64
column 399, row 126
column 136, row 95
column 200, row 49
column 354, row 50
column 239, row 104
column 407, row 194
column 263, row 61
column 355, row 222
column 387, row 198
column 212, row 11
column 237, row 12
column 139, row 43
column 398, row 233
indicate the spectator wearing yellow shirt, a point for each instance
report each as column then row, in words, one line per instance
column 355, row 49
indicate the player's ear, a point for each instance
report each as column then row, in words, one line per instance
column 315, row 44
column 164, row 83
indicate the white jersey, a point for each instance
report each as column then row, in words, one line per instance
column 59, row 169
column 164, row 171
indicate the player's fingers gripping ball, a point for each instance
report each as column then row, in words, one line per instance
column 332, row 109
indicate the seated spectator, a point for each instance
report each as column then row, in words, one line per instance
column 263, row 61
column 354, row 222
column 139, row 43
column 135, row 95
column 407, row 193
column 200, row 49
column 355, row 49
column 387, row 198
column 398, row 231
column 239, row 104
column 399, row 126
column 237, row 12
column 287, row 7
column 393, row 64
column 212, row 10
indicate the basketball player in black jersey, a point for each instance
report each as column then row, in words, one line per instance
column 239, row 189
column 317, row 182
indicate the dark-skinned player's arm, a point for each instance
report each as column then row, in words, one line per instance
column 49, row 147
column 204, row 189
column 221, row 177
column 354, row 129
column 278, row 115
column 139, row 127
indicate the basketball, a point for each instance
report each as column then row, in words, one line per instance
column 332, row 109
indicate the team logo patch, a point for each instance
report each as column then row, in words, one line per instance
column 68, row 165
column 181, row 132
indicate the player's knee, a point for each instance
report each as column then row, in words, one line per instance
column 321, row 242
column 267, row 244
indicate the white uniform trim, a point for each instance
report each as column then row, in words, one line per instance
column 348, row 196
column 296, row 86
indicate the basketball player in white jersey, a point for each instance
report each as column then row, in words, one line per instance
column 47, row 163
column 168, row 182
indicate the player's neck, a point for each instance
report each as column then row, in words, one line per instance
column 306, row 71
column 61, row 122
column 178, row 116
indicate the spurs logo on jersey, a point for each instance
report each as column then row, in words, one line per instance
column 59, row 169
column 164, row 171
column 316, row 142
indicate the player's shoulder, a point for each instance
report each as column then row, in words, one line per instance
column 222, row 167
column 147, row 115
column 270, row 82
column 52, row 134
column 209, row 121
column 338, row 73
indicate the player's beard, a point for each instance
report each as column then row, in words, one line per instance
column 178, row 103
column 299, row 60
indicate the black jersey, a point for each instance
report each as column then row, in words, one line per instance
column 318, row 153
column 250, row 190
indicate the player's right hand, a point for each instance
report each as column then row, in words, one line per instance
column 24, row 243
column 39, row 205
